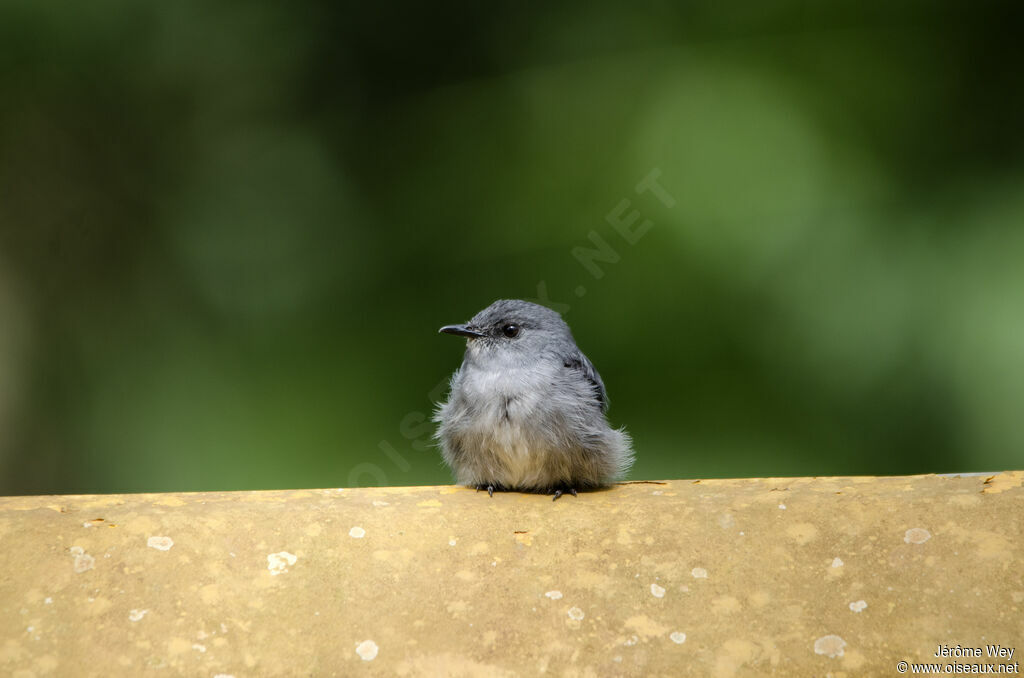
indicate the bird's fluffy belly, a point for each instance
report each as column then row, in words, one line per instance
column 512, row 459
column 506, row 446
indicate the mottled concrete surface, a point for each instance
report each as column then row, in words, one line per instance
column 782, row 576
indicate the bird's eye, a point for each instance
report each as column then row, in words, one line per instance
column 511, row 330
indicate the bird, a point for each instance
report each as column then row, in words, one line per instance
column 526, row 410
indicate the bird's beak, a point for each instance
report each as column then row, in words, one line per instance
column 461, row 330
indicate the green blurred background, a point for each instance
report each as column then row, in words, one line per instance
column 229, row 232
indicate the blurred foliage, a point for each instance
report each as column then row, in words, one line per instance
column 229, row 232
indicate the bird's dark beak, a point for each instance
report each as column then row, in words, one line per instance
column 461, row 330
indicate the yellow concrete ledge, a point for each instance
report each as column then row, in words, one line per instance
column 781, row 576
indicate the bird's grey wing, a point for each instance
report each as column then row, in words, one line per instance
column 579, row 362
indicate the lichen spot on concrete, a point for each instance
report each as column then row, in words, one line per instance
column 357, row 532
column 554, row 595
column 576, row 613
column 82, row 560
column 782, row 507
column 657, row 591
column 160, row 543
column 677, row 637
column 917, row 535
column 858, row 606
column 224, row 675
column 452, row 541
column 367, row 650
column 278, row 563
column 699, row 573
column 830, row 646
column 137, row 615
column 837, row 562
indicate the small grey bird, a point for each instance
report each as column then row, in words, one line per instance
column 527, row 409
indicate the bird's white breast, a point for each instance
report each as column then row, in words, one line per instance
column 507, row 402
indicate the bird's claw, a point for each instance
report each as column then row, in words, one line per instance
column 559, row 493
column 489, row 488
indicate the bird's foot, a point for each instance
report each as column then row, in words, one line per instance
column 486, row 486
column 559, row 493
